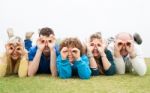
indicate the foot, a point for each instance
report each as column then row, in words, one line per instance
column 29, row 35
column 10, row 32
column 137, row 38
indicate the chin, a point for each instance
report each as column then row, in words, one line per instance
column 96, row 55
column 71, row 60
column 15, row 58
column 124, row 53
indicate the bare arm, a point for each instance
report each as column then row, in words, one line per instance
column 33, row 66
column 53, row 63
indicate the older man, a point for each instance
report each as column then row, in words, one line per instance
column 127, row 55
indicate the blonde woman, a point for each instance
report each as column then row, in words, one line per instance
column 14, row 60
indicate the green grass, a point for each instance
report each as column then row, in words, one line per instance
column 128, row 83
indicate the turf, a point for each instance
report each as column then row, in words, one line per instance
column 128, row 83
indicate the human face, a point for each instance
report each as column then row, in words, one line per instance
column 70, row 55
column 15, row 51
column 46, row 40
column 94, row 44
column 125, row 40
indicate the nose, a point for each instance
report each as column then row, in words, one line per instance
column 124, row 47
column 95, row 47
column 46, row 43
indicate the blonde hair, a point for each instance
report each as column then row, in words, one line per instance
column 15, row 40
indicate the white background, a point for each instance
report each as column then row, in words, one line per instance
column 76, row 18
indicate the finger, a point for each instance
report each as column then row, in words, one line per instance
column 64, row 49
column 75, row 50
column 52, row 37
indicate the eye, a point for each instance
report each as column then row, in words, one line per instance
column 11, row 48
column 74, row 51
column 128, row 44
column 98, row 45
column 120, row 44
column 42, row 41
column 50, row 41
column 92, row 44
column 18, row 49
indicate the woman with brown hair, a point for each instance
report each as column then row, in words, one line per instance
column 101, row 60
column 72, row 61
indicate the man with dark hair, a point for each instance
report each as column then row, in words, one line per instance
column 42, row 57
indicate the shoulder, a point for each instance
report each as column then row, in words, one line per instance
column 108, row 52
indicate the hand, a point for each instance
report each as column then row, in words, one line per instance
column 130, row 48
column 51, row 42
column 90, row 48
column 117, row 48
column 20, row 49
column 41, row 44
column 64, row 53
column 101, row 48
column 9, row 48
column 76, row 53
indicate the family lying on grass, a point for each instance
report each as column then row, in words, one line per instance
column 71, row 57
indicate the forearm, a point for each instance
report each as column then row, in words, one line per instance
column 111, row 70
column 53, row 63
column 105, row 61
column 120, row 65
column 83, row 69
column 139, row 65
column 33, row 66
column 23, row 67
column 3, row 68
column 64, row 69
column 93, row 63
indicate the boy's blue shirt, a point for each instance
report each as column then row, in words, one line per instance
column 79, row 68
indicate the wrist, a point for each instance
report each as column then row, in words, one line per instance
column 89, row 54
column 117, row 54
column 132, row 55
column 39, row 51
column 78, row 59
column 103, row 55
